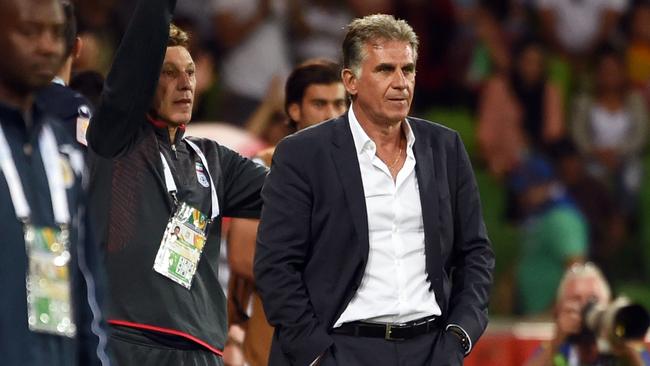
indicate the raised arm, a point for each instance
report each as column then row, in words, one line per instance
column 132, row 80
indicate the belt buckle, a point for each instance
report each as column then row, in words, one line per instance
column 389, row 336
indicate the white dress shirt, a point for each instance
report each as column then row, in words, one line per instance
column 394, row 288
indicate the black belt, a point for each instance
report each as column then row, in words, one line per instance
column 390, row 332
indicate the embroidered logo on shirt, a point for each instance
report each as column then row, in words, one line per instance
column 201, row 176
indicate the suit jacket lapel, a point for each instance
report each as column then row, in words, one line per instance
column 346, row 161
column 425, row 170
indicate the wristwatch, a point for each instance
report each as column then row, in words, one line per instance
column 462, row 338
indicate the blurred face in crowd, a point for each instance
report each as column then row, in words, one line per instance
column 174, row 96
column 383, row 88
column 610, row 74
column 641, row 23
column 31, row 40
column 535, row 196
column 319, row 103
column 571, row 169
column 530, row 64
column 581, row 290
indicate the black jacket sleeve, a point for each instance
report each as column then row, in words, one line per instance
column 281, row 254
column 243, row 180
column 132, row 80
column 473, row 259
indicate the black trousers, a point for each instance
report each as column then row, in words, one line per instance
column 438, row 348
column 134, row 348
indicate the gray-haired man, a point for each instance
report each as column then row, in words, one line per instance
column 371, row 248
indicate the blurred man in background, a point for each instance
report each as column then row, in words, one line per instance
column 58, row 98
column 49, row 314
column 553, row 234
column 580, row 285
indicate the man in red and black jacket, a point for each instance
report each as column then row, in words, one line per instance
column 149, row 170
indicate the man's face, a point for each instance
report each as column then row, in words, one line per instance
column 384, row 86
column 31, row 40
column 319, row 103
column 531, row 64
column 584, row 289
column 611, row 74
column 174, row 96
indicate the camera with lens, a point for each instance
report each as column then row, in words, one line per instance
column 612, row 324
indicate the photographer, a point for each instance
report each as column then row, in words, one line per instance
column 572, row 345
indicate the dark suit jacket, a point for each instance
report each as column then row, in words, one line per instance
column 312, row 243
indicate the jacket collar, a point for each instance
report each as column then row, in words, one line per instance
column 13, row 116
column 160, row 127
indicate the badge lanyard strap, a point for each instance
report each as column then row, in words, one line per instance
column 171, row 185
column 169, row 179
column 53, row 170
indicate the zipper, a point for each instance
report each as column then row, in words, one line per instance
column 174, row 151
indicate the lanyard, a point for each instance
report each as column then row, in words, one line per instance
column 171, row 185
column 51, row 161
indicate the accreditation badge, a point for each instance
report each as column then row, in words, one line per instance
column 49, row 306
column 181, row 246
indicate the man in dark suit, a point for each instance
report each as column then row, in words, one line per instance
column 372, row 249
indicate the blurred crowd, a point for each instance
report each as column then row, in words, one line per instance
column 550, row 96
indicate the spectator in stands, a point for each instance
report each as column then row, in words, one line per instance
column 253, row 34
column 610, row 128
column 314, row 93
column 438, row 76
column 201, row 14
column 607, row 230
column 582, row 283
column 518, row 112
column 638, row 51
column 269, row 121
column 95, row 54
column 101, row 26
column 575, row 29
column 553, row 235
column 324, row 22
column 494, row 26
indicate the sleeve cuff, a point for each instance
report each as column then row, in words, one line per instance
column 469, row 340
column 314, row 362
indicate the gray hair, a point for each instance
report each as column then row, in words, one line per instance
column 583, row 271
column 374, row 27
